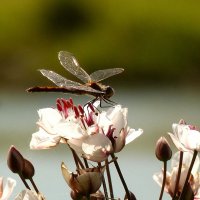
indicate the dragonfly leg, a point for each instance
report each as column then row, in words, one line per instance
column 109, row 102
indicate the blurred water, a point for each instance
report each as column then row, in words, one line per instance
column 154, row 110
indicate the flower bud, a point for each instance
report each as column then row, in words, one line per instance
column 28, row 170
column 163, row 151
column 15, row 160
column 88, row 181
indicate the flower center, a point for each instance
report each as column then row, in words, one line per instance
column 67, row 108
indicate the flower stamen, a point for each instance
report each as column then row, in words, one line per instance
column 58, row 105
column 76, row 111
column 80, row 108
column 91, row 106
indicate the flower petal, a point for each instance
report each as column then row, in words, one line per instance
column 76, row 145
column 187, row 158
column 43, row 140
column 133, row 134
column 97, row 147
column 29, row 195
column 49, row 116
column 69, row 130
column 177, row 143
column 193, row 140
column 119, row 141
column 8, row 189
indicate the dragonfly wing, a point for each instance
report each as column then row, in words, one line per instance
column 70, row 63
column 87, row 89
column 105, row 73
column 58, row 79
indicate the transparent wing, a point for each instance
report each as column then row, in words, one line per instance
column 58, row 79
column 68, row 84
column 86, row 89
column 105, row 73
column 70, row 63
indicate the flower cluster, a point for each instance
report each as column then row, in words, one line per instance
column 92, row 134
column 95, row 135
column 183, row 181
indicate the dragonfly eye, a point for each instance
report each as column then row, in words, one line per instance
column 108, row 92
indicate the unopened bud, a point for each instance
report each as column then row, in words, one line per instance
column 163, row 151
column 88, row 181
column 28, row 171
column 15, row 160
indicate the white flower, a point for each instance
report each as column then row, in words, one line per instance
column 92, row 134
column 171, row 176
column 55, row 126
column 109, row 134
column 6, row 191
column 185, row 137
column 114, row 123
column 29, row 195
column 96, row 147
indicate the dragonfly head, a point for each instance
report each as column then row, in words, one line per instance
column 109, row 91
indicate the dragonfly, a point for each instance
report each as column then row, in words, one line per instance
column 91, row 83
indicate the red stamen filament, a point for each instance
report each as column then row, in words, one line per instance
column 80, row 108
column 76, row 112
column 71, row 102
column 91, row 107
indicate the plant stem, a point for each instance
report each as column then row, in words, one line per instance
column 86, row 162
column 178, row 175
column 77, row 160
column 188, row 175
column 24, row 181
column 109, row 179
column 164, row 179
column 121, row 177
column 104, row 183
column 33, row 184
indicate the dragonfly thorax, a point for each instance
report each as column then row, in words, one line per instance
column 107, row 90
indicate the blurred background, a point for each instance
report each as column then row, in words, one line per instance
column 156, row 42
